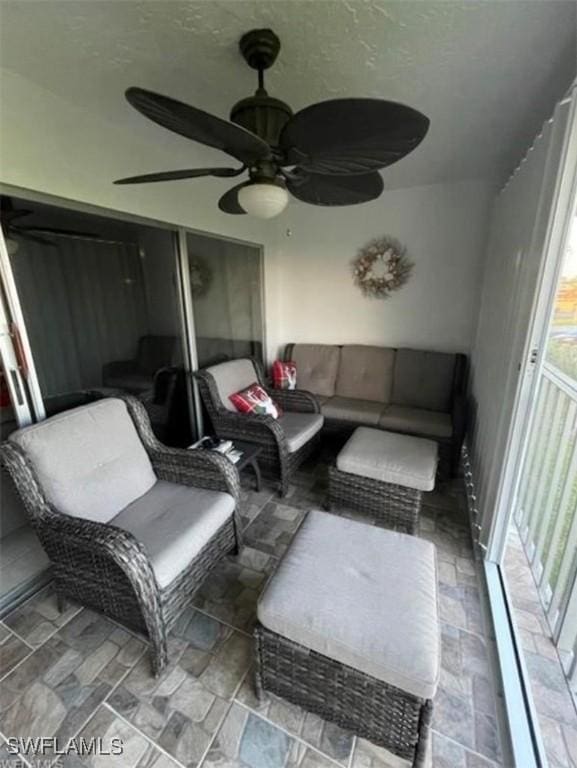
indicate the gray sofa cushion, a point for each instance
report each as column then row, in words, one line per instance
column 402, row 418
column 231, row 377
column 299, row 428
column 391, row 458
column 423, row 379
column 317, row 366
column 364, row 596
column 366, row 373
column 89, row 461
column 351, row 409
column 174, row 522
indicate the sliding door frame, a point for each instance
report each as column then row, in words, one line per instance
column 527, row 745
column 185, row 299
column 557, row 232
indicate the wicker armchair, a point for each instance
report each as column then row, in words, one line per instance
column 137, row 577
column 286, row 441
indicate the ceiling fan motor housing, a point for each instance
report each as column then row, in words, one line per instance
column 263, row 115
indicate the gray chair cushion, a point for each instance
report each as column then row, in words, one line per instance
column 299, row 428
column 390, row 458
column 417, row 421
column 231, row 377
column 89, row 461
column 423, row 379
column 363, row 596
column 366, row 373
column 317, row 366
column 174, row 522
column 351, row 409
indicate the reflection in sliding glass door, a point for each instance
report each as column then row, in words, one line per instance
column 227, row 293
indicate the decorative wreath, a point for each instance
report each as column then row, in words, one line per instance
column 200, row 277
column 381, row 267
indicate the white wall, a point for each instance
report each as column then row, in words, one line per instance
column 48, row 145
column 443, row 228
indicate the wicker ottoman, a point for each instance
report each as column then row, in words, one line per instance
column 384, row 473
column 348, row 628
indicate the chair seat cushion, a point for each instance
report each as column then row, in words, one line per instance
column 391, row 458
column 363, row 596
column 352, row 409
column 299, row 428
column 174, row 522
column 417, row 421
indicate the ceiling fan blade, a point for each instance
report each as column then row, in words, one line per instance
column 335, row 190
column 199, row 126
column 353, row 136
column 228, row 203
column 191, row 173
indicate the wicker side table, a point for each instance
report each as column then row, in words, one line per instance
column 359, row 662
column 385, row 474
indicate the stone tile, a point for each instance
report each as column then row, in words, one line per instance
column 182, row 708
column 247, row 741
column 230, row 593
column 39, row 618
column 251, row 503
column 44, row 696
column 368, row 755
column 302, row 756
column 111, row 731
column 274, row 528
column 326, row 737
column 447, row 753
column 453, row 717
column 546, row 672
column 255, row 559
column 12, row 651
column 487, row 740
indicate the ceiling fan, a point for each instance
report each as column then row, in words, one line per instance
column 9, row 217
column 327, row 154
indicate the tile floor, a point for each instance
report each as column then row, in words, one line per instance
column 80, row 674
column 553, row 701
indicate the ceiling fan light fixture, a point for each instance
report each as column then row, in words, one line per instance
column 264, row 200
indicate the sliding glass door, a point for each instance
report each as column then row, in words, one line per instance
column 100, row 301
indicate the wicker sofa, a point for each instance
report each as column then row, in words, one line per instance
column 402, row 390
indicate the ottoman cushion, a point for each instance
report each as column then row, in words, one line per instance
column 391, row 458
column 363, row 596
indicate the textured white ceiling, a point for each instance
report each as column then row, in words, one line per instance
column 486, row 73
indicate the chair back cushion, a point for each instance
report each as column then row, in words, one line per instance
column 366, row 373
column 424, row 379
column 89, row 461
column 156, row 352
column 317, row 366
column 231, row 377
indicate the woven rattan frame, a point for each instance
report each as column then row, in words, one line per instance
column 264, row 430
column 372, row 709
column 106, row 568
column 394, row 506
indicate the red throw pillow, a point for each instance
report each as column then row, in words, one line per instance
column 254, row 399
column 284, row 374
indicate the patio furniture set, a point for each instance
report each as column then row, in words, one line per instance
column 345, row 629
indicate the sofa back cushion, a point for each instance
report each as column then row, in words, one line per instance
column 366, row 373
column 232, row 376
column 317, row 366
column 89, row 461
column 424, row 379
